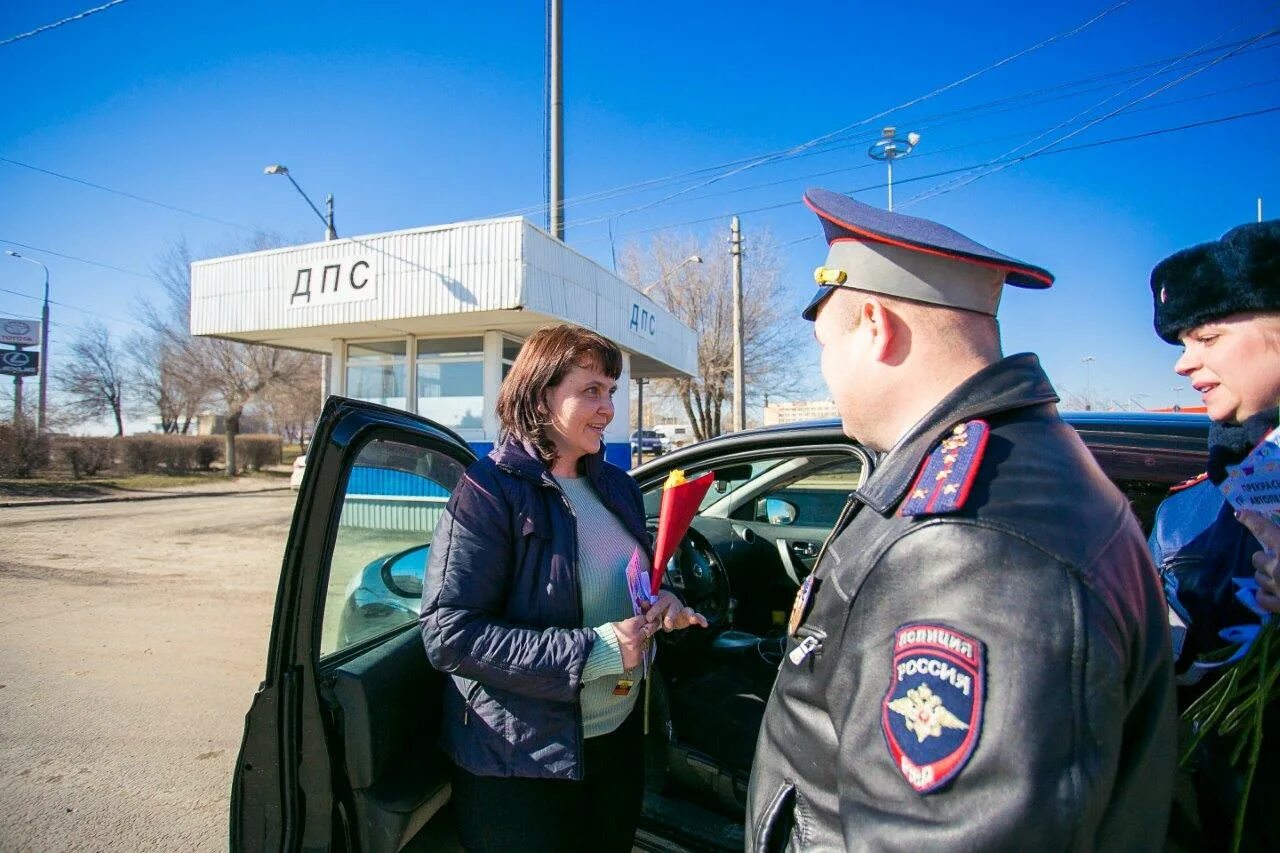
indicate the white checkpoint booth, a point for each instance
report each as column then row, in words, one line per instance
column 429, row 319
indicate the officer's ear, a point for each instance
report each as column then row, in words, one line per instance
column 881, row 324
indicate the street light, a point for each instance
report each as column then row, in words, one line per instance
column 330, row 233
column 44, row 338
column 692, row 259
column 889, row 148
column 1088, row 393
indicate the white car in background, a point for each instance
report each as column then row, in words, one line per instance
column 299, row 468
column 674, row 435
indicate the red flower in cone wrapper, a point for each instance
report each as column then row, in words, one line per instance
column 680, row 501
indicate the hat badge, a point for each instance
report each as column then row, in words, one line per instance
column 1164, row 295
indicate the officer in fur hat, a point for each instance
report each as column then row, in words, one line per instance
column 979, row 659
column 1221, row 302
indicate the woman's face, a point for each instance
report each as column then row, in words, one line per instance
column 1235, row 364
column 580, row 408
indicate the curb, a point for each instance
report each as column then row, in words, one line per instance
column 109, row 499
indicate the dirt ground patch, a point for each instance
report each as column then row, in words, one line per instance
column 133, row 636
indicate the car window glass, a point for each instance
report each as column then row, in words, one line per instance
column 730, row 477
column 393, row 496
column 812, row 495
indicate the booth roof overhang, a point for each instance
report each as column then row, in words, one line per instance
column 467, row 278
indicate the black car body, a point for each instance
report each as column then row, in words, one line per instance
column 339, row 747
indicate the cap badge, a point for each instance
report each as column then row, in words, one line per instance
column 828, row 275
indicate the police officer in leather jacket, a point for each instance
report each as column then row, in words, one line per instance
column 980, row 659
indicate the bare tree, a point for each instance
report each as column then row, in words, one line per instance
column 229, row 375
column 290, row 410
column 700, row 296
column 94, row 376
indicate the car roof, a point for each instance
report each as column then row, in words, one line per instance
column 1179, row 439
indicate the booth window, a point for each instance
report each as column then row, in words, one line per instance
column 451, row 381
column 510, row 349
column 376, row 372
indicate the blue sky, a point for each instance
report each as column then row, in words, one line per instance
column 420, row 113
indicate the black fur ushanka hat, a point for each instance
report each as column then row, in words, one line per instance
column 1240, row 272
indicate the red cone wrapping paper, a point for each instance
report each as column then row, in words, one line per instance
column 680, row 500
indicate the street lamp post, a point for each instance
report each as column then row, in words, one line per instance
column 692, row 259
column 330, row 233
column 44, row 340
column 1088, row 393
column 889, row 148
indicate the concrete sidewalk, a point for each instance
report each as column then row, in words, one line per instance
column 102, row 494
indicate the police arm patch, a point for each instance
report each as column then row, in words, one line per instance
column 947, row 474
column 932, row 715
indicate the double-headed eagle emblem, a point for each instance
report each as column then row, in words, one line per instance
column 925, row 714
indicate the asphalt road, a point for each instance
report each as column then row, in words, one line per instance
column 132, row 637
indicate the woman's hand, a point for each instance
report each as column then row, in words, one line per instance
column 669, row 614
column 633, row 639
column 1266, row 563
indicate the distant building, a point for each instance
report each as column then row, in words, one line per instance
column 804, row 410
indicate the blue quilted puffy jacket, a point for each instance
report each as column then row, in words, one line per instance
column 502, row 613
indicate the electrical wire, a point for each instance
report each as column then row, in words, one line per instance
column 974, row 112
column 996, row 167
column 1022, row 158
column 78, row 259
column 77, row 17
column 862, row 122
column 128, row 195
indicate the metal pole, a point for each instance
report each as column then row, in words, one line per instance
column 330, row 233
column 17, row 401
column 888, row 161
column 556, row 171
column 639, row 421
column 739, row 393
column 1259, row 208
column 44, row 355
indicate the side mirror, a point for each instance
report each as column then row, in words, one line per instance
column 403, row 573
column 776, row 511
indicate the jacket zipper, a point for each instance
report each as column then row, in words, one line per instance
column 577, row 586
column 466, row 708
column 835, row 531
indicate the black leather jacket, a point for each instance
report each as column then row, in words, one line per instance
column 1032, row 612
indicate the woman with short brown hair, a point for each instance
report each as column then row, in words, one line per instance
column 527, row 609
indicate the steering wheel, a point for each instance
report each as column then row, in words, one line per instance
column 698, row 577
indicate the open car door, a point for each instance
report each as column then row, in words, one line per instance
column 339, row 749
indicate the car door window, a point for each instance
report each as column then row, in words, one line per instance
column 393, row 496
column 813, row 500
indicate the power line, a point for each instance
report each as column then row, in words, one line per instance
column 867, row 164
column 74, row 308
column 974, row 112
column 790, row 152
column 129, row 195
column 996, row 167
column 78, row 17
column 1009, row 102
column 79, row 260
column 1022, row 158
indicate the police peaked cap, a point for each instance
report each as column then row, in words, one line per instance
column 1239, row 273
column 883, row 252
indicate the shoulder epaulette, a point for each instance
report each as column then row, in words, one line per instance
column 1186, row 484
column 948, row 472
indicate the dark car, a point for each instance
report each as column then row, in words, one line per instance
column 339, row 748
column 648, row 441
